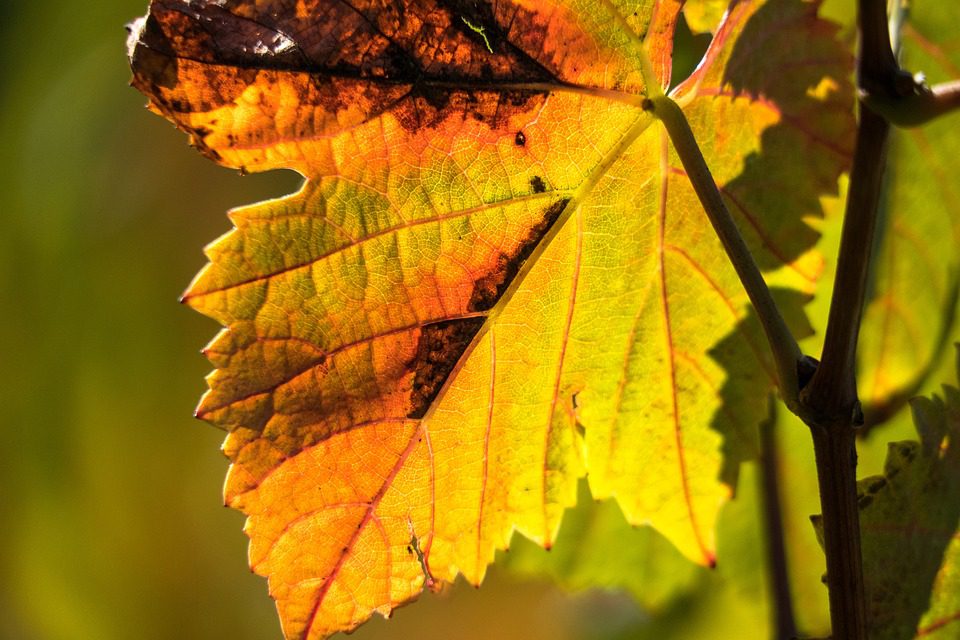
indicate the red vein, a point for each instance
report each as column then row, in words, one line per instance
column 765, row 239
column 890, row 306
column 938, row 624
column 793, row 121
column 303, row 516
column 250, row 215
column 486, row 445
column 909, row 320
column 665, row 173
column 190, row 295
column 425, row 548
column 879, row 379
column 740, row 427
column 920, row 248
column 731, row 20
column 388, row 550
column 324, row 357
column 563, row 352
column 758, row 229
column 273, row 469
column 367, row 517
column 932, row 50
column 621, row 386
column 944, row 179
column 757, row 351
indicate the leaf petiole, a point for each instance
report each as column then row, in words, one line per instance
column 786, row 353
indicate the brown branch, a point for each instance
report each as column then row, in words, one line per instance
column 830, row 405
column 836, row 473
column 831, row 396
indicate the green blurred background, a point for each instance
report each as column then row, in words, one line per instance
column 110, row 516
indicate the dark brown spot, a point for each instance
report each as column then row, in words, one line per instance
column 520, row 139
column 536, row 183
column 488, row 289
column 440, row 347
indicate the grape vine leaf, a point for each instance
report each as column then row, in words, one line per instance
column 495, row 277
column 910, row 524
column 907, row 328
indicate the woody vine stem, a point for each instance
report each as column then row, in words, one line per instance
column 824, row 394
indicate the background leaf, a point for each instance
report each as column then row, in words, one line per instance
column 913, row 307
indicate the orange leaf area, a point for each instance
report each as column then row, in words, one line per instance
column 495, row 279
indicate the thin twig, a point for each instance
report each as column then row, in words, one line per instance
column 785, row 625
column 920, row 107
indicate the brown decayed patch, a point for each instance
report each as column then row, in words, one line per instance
column 425, row 46
column 488, row 289
column 537, row 184
column 428, row 105
column 440, row 347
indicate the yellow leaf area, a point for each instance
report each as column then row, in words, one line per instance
column 496, row 278
column 704, row 15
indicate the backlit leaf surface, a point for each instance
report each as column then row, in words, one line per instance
column 704, row 15
column 496, row 276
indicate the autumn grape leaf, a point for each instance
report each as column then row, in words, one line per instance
column 912, row 316
column 496, row 276
column 910, row 523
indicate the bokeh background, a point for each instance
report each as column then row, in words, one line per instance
column 111, row 524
